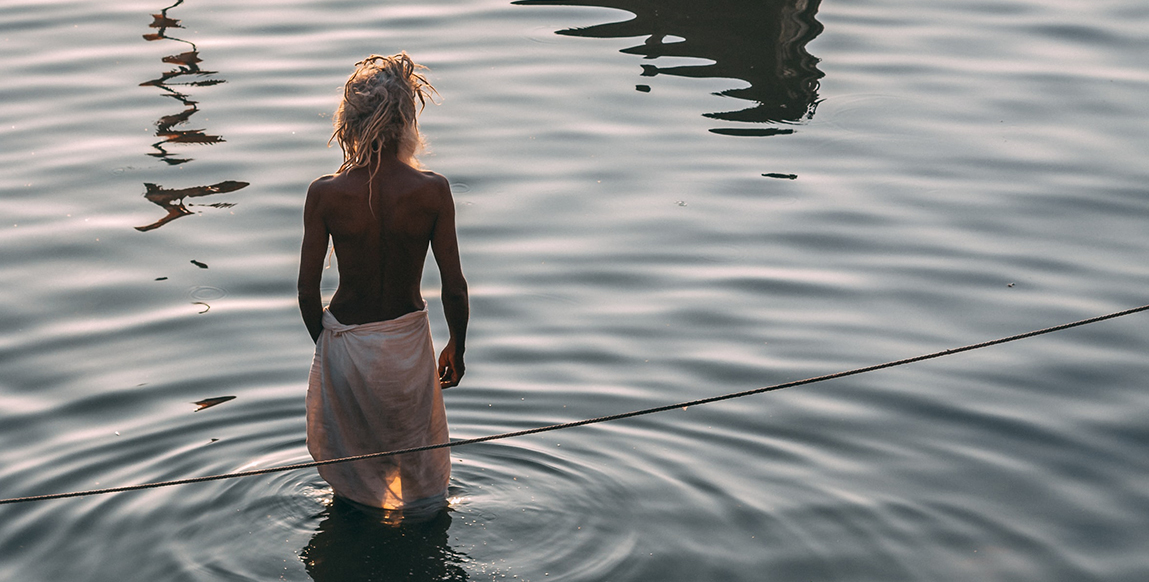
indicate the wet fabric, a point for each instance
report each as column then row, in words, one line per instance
column 373, row 387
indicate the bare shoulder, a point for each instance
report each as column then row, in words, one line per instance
column 436, row 180
column 437, row 187
column 324, row 193
column 322, row 185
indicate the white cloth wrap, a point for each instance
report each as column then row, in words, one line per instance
column 373, row 387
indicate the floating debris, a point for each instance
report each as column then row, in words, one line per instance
column 198, row 264
column 642, row 88
column 209, row 402
column 161, row 278
column 782, row 176
column 751, row 132
column 206, row 307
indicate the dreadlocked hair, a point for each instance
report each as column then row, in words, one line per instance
column 378, row 110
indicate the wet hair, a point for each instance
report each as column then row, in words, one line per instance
column 378, row 110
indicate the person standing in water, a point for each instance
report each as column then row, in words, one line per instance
column 374, row 385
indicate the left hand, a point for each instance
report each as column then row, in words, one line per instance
column 450, row 366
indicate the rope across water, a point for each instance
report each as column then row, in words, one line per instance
column 584, row 422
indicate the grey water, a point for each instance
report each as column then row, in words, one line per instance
column 657, row 201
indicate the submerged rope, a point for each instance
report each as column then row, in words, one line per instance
column 584, row 422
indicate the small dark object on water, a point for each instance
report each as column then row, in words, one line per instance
column 642, row 88
column 161, row 278
column 198, row 264
column 206, row 307
column 751, row 131
column 1011, row 284
column 209, row 402
column 782, row 176
column 648, row 70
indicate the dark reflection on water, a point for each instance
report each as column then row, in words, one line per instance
column 187, row 66
column 172, row 200
column 762, row 42
column 355, row 543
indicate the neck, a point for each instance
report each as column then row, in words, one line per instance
column 384, row 157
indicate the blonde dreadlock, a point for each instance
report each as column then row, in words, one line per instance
column 378, row 110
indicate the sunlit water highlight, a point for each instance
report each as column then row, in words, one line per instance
column 662, row 201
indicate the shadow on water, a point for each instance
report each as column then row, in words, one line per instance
column 354, row 543
column 186, row 74
column 762, row 42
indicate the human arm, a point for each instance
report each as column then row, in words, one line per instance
column 311, row 255
column 456, row 306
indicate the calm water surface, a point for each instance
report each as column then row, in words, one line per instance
column 658, row 201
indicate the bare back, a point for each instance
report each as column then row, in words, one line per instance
column 381, row 214
column 381, row 245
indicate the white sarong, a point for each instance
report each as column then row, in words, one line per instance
column 373, row 387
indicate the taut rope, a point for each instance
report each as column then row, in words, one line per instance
column 566, row 425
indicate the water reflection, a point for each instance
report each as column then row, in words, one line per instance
column 172, row 200
column 762, row 42
column 186, row 74
column 355, row 543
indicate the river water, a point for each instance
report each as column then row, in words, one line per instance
column 658, row 201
